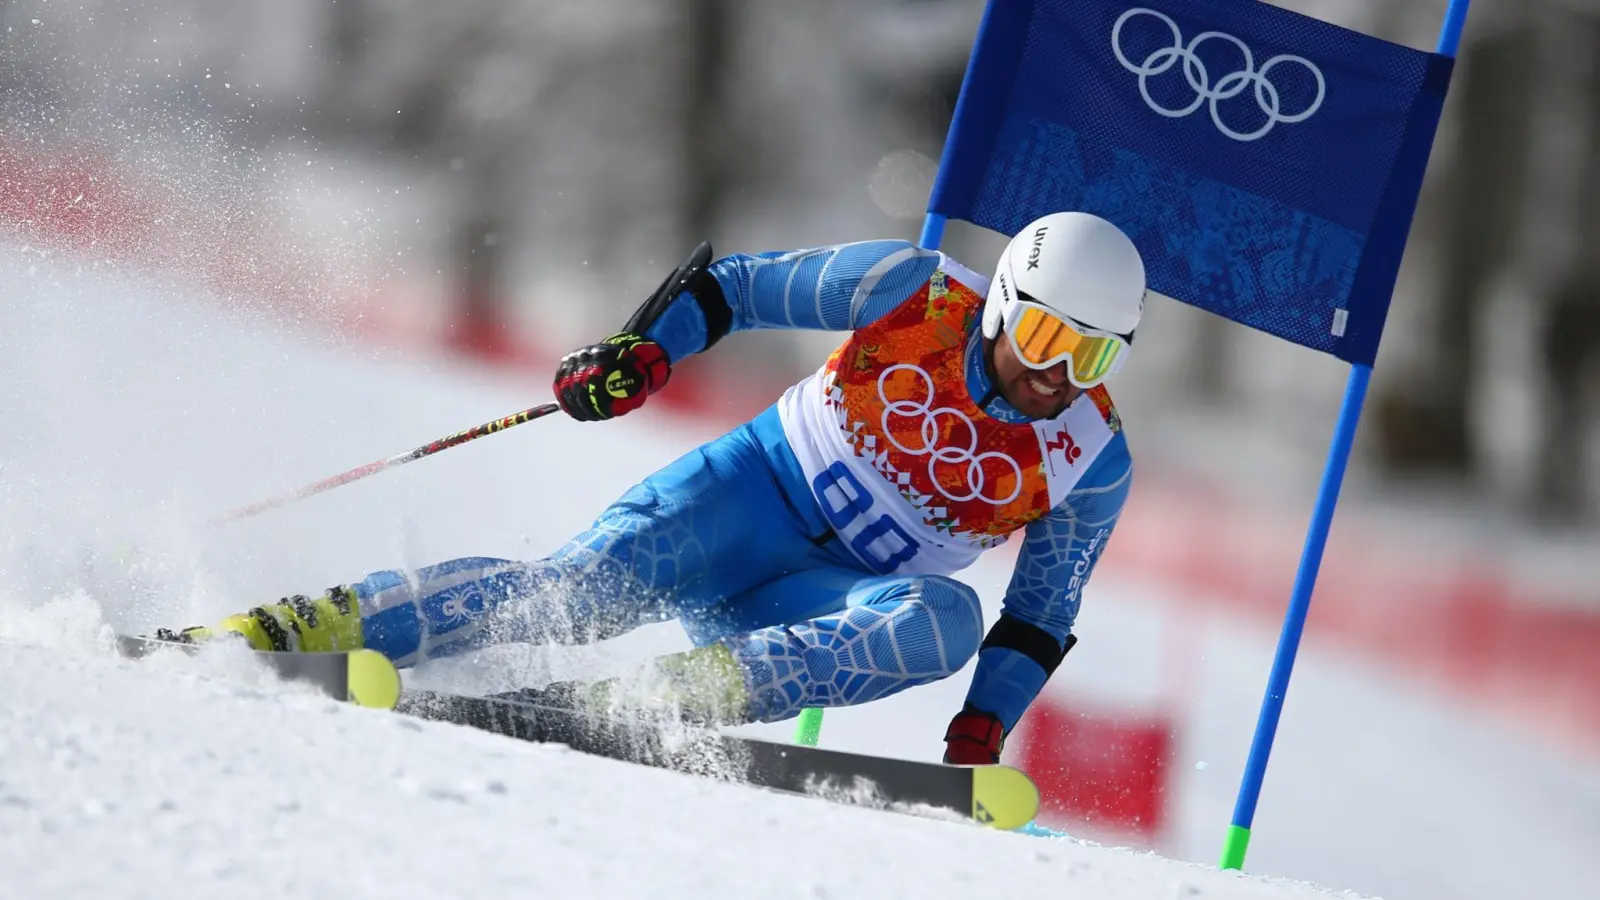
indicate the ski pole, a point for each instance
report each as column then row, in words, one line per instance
column 445, row 443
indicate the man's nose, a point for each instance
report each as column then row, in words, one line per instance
column 1056, row 374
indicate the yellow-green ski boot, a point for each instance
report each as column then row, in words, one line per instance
column 295, row 624
column 704, row 685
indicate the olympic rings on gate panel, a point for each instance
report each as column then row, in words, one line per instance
column 1225, row 88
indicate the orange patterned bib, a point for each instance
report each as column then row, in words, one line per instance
column 907, row 468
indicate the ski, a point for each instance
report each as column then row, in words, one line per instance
column 998, row 796
column 364, row 677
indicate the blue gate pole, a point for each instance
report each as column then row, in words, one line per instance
column 1294, row 623
column 932, row 232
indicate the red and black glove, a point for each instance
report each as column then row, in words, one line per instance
column 974, row 738
column 610, row 378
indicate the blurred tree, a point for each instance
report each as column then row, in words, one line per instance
column 1571, row 342
column 1423, row 422
column 539, row 124
column 706, row 28
column 403, row 94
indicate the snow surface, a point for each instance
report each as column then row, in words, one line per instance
column 136, row 409
column 127, row 780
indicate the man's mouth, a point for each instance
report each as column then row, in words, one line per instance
column 1043, row 389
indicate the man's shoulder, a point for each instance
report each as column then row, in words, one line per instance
column 1114, row 463
column 1103, row 489
column 1106, row 407
column 979, row 284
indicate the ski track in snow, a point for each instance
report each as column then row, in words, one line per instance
column 123, row 779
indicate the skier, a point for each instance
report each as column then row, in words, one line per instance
column 808, row 552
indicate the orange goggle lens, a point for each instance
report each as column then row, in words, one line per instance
column 1042, row 339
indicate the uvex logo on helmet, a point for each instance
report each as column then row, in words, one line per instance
column 1038, row 245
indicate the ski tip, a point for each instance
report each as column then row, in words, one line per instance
column 373, row 680
column 1003, row 797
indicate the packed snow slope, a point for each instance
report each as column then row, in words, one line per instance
column 131, row 780
column 135, row 408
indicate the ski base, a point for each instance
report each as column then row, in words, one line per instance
column 363, row 677
column 998, row 796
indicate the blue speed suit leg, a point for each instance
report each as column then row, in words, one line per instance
column 833, row 636
column 724, row 540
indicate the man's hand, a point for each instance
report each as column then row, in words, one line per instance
column 974, row 738
column 610, row 378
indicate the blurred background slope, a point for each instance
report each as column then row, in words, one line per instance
column 520, row 168
column 505, row 179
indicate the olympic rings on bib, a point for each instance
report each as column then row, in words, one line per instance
column 1225, row 88
column 929, row 430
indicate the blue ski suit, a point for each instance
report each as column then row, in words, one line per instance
column 818, row 539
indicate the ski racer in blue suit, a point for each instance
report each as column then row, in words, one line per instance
column 809, row 552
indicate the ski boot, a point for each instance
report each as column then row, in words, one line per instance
column 704, row 686
column 294, row 624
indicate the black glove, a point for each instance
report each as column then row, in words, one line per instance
column 610, row 378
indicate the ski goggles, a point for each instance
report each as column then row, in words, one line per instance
column 1042, row 338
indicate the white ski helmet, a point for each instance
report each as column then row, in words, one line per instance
column 1075, row 284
